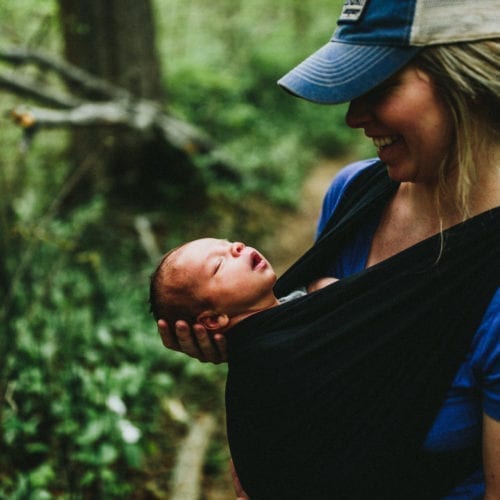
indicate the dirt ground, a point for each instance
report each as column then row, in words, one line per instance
column 293, row 236
column 295, row 233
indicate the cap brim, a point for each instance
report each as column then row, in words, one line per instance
column 339, row 72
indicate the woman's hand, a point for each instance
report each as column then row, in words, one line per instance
column 195, row 342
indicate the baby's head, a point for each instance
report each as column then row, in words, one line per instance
column 213, row 282
column 172, row 290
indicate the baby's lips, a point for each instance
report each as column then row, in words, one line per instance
column 258, row 262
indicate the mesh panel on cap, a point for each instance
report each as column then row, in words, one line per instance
column 447, row 21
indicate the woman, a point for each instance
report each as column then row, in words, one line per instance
column 422, row 79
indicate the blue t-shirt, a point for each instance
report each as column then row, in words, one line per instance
column 476, row 387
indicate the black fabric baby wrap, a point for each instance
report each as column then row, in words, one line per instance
column 331, row 396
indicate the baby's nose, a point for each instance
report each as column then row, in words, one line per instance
column 236, row 248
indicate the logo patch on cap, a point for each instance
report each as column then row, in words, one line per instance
column 352, row 10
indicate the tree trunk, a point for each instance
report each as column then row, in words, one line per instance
column 115, row 40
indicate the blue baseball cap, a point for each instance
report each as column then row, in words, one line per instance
column 376, row 38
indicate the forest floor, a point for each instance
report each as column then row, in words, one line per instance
column 293, row 235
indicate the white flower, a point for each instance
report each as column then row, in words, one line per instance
column 130, row 433
column 116, row 404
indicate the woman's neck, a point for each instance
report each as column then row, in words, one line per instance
column 416, row 212
column 485, row 194
column 421, row 204
column 426, row 202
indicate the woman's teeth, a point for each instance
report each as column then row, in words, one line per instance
column 381, row 142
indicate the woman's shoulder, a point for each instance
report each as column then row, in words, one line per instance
column 348, row 173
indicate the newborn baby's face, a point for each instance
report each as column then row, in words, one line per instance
column 234, row 277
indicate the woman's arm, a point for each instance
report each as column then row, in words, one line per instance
column 491, row 457
column 195, row 342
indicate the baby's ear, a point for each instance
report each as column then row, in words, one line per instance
column 212, row 320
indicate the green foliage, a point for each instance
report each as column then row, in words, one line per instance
column 223, row 60
column 85, row 384
column 83, row 376
column 82, row 369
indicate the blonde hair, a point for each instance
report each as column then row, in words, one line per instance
column 467, row 76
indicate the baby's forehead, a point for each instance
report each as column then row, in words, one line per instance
column 201, row 245
column 177, row 266
column 196, row 251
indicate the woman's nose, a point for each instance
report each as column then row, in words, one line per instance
column 358, row 114
column 236, row 248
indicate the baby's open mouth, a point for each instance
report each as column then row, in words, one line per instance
column 257, row 261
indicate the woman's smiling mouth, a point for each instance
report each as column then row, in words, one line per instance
column 382, row 142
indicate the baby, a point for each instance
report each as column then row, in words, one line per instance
column 216, row 283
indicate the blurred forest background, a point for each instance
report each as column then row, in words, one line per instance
column 127, row 127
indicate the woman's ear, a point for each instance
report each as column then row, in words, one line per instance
column 212, row 320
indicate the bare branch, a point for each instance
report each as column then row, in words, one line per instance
column 27, row 87
column 147, row 238
column 187, row 473
column 71, row 74
column 120, row 107
column 144, row 116
column 179, row 132
column 105, row 113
